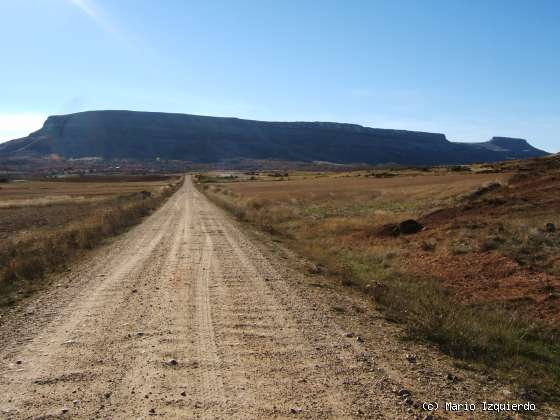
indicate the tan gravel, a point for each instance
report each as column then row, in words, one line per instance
column 188, row 315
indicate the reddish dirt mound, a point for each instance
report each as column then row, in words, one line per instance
column 533, row 193
column 491, row 277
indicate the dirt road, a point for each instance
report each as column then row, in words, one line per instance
column 187, row 316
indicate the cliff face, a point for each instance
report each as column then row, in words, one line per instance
column 151, row 135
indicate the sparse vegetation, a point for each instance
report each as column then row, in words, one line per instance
column 30, row 252
column 524, row 351
column 207, row 178
column 432, row 282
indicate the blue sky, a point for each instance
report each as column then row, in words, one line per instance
column 470, row 69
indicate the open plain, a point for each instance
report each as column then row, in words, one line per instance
column 45, row 224
column 189, row 316
column 465, row 258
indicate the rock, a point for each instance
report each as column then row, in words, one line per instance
column 295, row 410
column 408, row 401
column 313, row 268
column 139, row 333
column 552, row 296
column 76, row 402
column 107, row 395
column 183, row 394
column 390, row 229
column 406, row 227
column 550, row 227
column 64, row 410
column 410, row 226
column 451, row 377
column 152, row 411
column 349, row 334
column 19, row 362
column 134, row 290
column 411, row 358
column 403, row 392
column 428, row 417
column 172, row 362
column 359, row 339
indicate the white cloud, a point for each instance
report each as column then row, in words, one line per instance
column 13, row 125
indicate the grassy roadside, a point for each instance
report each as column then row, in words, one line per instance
column 25, row 262
column 489, row 336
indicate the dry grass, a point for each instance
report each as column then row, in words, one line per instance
column 31, row 192
column 335, row 220
column 33, row 204
column 43, row 236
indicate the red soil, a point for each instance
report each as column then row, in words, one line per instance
column 491, row 276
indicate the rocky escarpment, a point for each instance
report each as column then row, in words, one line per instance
column 154, row 135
